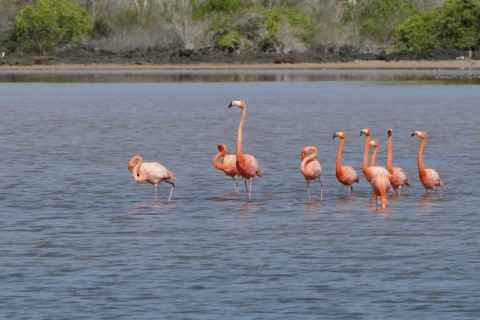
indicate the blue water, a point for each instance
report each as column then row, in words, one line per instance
column 81, row 240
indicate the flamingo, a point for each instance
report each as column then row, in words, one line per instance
column 380, row 184
column 151, row 172
column 346, row 175
column 247, row 165
column 371, row 171
column 228, row 165
column 398, row 178
column 374, row 144
column 311, row 168
column 429, row 177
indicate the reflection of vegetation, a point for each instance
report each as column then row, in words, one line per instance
column 241, row 25
column 237, row 77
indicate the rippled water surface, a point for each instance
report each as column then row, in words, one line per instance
column 81, row 240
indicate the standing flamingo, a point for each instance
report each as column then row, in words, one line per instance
column 228, row 165
column 311, row 168
column 398, row 178
column 247, row 165
column 380, row 184
column 371, row 171
column 151, row 172
column 429, row 177
column 374, row 144
column 346, row 175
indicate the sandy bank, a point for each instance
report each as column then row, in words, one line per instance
column 356, row 65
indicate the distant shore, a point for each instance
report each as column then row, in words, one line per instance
column 354, row 65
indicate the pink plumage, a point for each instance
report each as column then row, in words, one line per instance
column 311, row 168
column 151, row 172
column 228, row 164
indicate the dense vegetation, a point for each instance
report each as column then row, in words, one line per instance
column 280, row 26
column 455, row 25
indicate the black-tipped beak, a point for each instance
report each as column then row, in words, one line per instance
column 229, row 105
column 334, row 135
column 412, row 134
column 361, row 132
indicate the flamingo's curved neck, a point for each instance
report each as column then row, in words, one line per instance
column 389, row 154
column 374, row 157
column 216, row 160
column 240, row 130
column 420, row 155
column 365, row 153
column 309, row 158
column 339, row 155
column 136, row 168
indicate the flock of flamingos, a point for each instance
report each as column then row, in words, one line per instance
column 381, row 179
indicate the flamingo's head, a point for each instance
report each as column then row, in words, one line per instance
column 374, row 143
column 389, row 132
column 339, row 134
column 366, row 132
column 133, row 160
column 238, row 103
column 222, row 148
column 420, row 134
column 304, row 153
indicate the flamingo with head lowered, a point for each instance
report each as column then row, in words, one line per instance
column 247, row 165
column 228, row 165
column 311, row 168
column 151, row 172
column 380, row 185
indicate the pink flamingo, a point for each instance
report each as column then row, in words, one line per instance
column 429, row 177
column 370, row 172
column 399, row 178
column 247, row 165
column 228, row 165
column 151, row 172
column 374, row 144
column 311, row 168
column 380, row 184
column 346, row 175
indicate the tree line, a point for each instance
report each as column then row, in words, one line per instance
column 280, row 26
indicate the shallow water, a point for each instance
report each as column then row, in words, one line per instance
column 80, row 239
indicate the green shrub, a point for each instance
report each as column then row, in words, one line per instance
column 379, row 18
column 50, row 23
column 296, row 19
column 101, row 28
column 128, row 17
column 230, row 40
column 220, row 6
column 455, row 25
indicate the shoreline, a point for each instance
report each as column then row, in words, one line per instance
column 451, row 65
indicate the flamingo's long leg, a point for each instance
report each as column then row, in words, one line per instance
column 171, row 190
